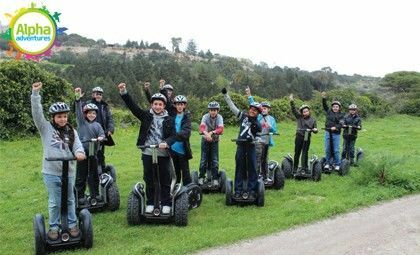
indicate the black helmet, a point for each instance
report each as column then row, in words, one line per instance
column 213, row 105
column 158, row 96
column 58, row 107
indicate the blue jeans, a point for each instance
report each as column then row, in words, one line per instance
column 209, row 158
column 336, row 147
column 53, row 184
column 240, row 167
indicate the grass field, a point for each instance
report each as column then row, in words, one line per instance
column 22, row 192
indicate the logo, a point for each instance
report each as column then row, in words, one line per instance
column 32, row 32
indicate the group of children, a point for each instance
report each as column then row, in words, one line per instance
column 167, row 124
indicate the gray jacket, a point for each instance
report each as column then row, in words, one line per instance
column 53, row 145
column 87, row 129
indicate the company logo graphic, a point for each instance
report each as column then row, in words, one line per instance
column 32, row 32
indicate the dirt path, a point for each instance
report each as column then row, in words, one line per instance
column 388, row 228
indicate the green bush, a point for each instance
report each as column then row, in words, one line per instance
column 16, row 78
column 411, row 106
column 384, row 170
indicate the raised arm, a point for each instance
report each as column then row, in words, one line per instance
column 132, row 106
column 295, row 112
column 324, row 101
column 79, row 112
column 231, row 105
column 147, row 92
column 36, row 108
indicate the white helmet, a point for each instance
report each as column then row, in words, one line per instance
column 90, row 107
column 97, row 89
column 352, row 107
column 58, row 107
column 168, row 86
column 158, row 96
column 180, row 99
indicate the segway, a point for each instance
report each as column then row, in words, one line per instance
column 208, row 185
column 136, row 208
column 359, row 153
column 244, row 198
column 314, row 169
column 344, row 165
column 108, row 189
column 275, row 175
column 65, row 241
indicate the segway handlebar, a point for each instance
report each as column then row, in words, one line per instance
column 244, row 140
column 305, row 129
column 152, row 146
column 61, row 159
column 94, row 140
column 265, row 134
column 350, row 126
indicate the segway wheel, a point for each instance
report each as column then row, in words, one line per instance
column 113, row 197
column 286, row 166
column 194, row 177
column 195, row 195
column 181, row 210
column 40, row 236
column 278, row 178
column 344, row 167
column 360, row 155
column 260, row 193
column 133, row 209
column 316, row 171
column 222, row 181
column 228, row 192
column 110, row 169
column 85, row 225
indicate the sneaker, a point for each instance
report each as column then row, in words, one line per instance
column 268, row 180
column 149, row 208
column 52, row 234
column 74, row 232
column 166, row 209
column 215, row 182
column 327, row 167
column 200, row 181
column 337, row 168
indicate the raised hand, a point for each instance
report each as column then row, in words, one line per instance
column 324, row 94
column 37, row 86
column 291, row 97
column 122, row 87
column 161, row 83
column 248, row 91
column 147, row 85
column 224, row 91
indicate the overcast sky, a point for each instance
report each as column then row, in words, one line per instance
column 363, row 37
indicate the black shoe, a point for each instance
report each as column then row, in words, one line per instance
column 252, row 195
column 237, row 195
column 82, row 200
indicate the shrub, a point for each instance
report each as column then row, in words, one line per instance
column 16, row 78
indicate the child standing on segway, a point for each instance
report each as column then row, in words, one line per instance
column 249, row 127
column 88, row 129
column 351, row 124
column 211, row 127
column 304, row 122
column 268, row 125
column 59, row 139
column 157, row 128
column 181, row 150
column 333, row 123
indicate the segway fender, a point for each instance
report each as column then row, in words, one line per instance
column 272, row 164
column 138, row 190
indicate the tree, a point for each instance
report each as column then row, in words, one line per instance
column 401, row 82
column 191, row 48
column 176, row 41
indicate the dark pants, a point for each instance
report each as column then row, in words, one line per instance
column 351, row 142
column 262, row 158
column 87, row 169
column 182, row 168
column 209, row 158
column 245, row 152
column 301, row 147
column 101, row 157
column 164, row 179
